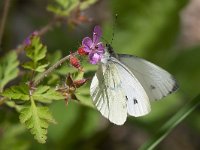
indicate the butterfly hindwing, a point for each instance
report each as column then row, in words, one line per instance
column 156, row 81
column 137, row 99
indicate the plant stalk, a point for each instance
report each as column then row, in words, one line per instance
column 53, row 67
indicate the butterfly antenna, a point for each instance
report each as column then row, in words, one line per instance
column 104, row 39
column 114, row 24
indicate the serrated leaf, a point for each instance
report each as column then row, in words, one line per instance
column 46, row 94
column 44, row 113
column 38, row 67
column 41, row 68
column 36, row 51
column 8, row 68
column 29, row 65
column 20, row 92
column 12, row 104
column 37, row 120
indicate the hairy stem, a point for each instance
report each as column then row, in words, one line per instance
column 48, row 71
column 50, row 25
column 3, row 20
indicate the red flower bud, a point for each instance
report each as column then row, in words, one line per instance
column 75, row 62
column 81, row 51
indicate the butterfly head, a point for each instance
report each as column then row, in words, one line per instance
column 109, row 48
column 109, row 52
column 106, row 56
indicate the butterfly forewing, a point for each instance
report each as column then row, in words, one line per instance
column 116, row 92
column 156, row 81
column 107, row 95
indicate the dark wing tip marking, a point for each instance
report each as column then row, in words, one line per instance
column 175, row 86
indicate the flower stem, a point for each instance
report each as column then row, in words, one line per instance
column 43, row 30
column 48, row 71
column 4, row 16
column 2, row 100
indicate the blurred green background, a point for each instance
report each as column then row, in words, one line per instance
column 164, row 32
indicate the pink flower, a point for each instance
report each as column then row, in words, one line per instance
column 94, row 48
column 27, row 41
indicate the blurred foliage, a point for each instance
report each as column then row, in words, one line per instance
column 152, row 25
column 187, row 61
column 11, row 137
column 172, row 123
column 149, row 29
column 65, row 7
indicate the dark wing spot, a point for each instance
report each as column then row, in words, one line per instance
column 152, row 87
column 135, row 101
column 126, row 97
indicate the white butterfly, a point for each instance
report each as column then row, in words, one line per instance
column 124, row 85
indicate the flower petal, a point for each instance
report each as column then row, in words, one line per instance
column 94, row 58
column 97, row 33
column 27, row 41
column 101, row 48
column 87, row 43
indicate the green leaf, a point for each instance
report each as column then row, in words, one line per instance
column 12, row 104
column 8, row 68
column 171, row 124
column 29, row 65
column 46, row 94
column 87, row 3
column 65, row 7
column 20, row 92
column 41, row 68
column 37, row 120
column 36, row 51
